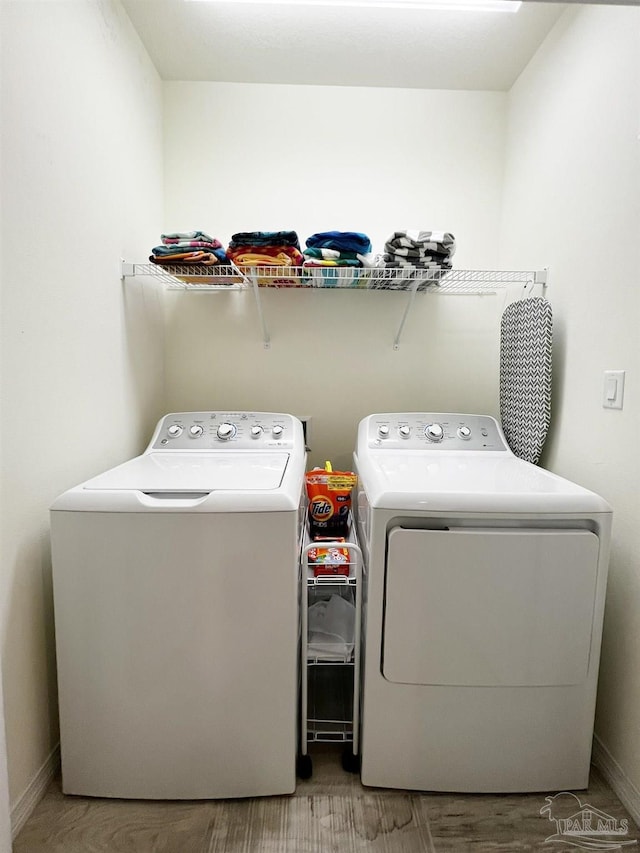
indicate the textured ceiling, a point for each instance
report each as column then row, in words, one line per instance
column 348, row 46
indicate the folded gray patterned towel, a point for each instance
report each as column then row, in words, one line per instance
column 423, row 263
column 420, row 254
column 420, row 250
column 441, row 242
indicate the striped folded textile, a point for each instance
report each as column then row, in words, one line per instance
column 441, row 242
column 419, row 250
column 412, row 263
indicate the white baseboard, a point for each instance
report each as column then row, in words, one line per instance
column 616, row 778
column 34, row 791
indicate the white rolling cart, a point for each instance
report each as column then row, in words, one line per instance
column 330, row 661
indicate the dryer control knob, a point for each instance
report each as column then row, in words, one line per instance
column 174, row 430
column 434, row 432
column 464, row 432
column 226, row 431
column 383, row 431
column 277, row 431
column 196, row 430
column 256, row 431
column 405, row 431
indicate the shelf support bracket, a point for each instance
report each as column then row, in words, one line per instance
column 266, row 339
column 542, row 277
column 412, row 296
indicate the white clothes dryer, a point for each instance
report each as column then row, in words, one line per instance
column 175, row 579
column 484, row 598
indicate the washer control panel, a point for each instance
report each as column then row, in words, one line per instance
column 217, row 430
column 434, row 431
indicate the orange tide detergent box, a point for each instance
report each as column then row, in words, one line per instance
column 330, row 559
column 329, row 494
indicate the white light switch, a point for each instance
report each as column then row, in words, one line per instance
column 613, row 393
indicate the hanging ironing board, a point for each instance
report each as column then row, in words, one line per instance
column 525, row 375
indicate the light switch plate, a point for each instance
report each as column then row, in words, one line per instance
column 613, row 389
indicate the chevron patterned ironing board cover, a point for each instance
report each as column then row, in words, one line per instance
column 525, row 375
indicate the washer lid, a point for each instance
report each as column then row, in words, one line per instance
column 470, row 482
column 194, row 472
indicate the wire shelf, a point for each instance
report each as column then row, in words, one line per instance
column 206, row 279
column 392, row 278
column 210, row 279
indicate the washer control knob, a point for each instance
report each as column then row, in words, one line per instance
column 434, row 432
column 256, row 431
column 174, row 430
column 277, row 431
column 383, row 431
column 226, row 431
column 196, row 430
column 464, row 432
column 405, row 431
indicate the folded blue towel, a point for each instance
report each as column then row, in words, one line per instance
column 169, row 251
column 342, row 241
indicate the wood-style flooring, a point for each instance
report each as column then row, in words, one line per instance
column 329, row 813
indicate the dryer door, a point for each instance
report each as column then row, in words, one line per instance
column 492, row 607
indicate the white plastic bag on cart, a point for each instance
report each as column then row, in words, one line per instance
column 331, row 629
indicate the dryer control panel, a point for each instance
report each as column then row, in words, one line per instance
column 433, row 431
column 218, row 430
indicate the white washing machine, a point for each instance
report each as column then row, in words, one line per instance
column 484, row 597
column 175, row 582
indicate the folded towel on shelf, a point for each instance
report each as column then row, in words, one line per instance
column 194, row 244
column 342, row 241
column 264, row 238
column 419, row 254
column 267, row 256
column 291, row 251
column 328, row 262
column 423, row 251
column 197, row 257
column 333, row 257
column 175, row 250
column 189, row 248
column 413, row 263
column 329, row 254
column 185, row 235
column 426, row 241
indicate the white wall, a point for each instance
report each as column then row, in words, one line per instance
column 81, row 355
column 266, row 157
column 572, row 201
